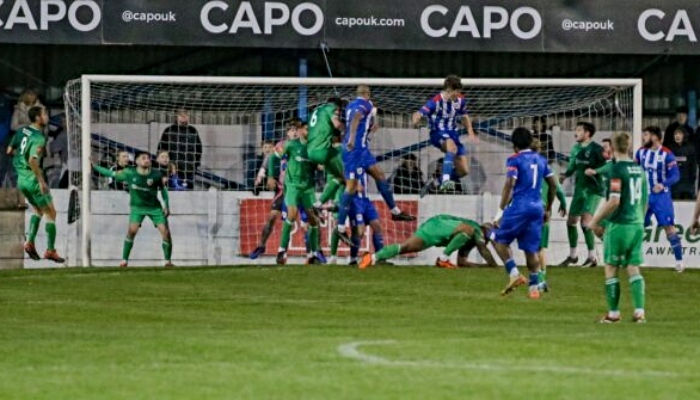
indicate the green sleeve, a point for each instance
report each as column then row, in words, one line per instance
column 104, row 171
column 600, row 158
column 38, row 143
column 604, row 170
column 561, row 196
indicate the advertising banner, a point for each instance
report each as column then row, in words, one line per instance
column 623, row 27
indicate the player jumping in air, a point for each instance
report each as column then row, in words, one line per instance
column 274, row 170
column 324, row 126
column 624, row 210
column 444, row 111
column 452, row 233
column 357, row 158
column 144, row 184
column 588, row 191
column 298, row 191
column 662, row 172
column 523, row 210
column 29, row 143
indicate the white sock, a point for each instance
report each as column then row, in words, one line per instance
column 444, row 257
column 374, row 258
column 445, row 178
column 591, row 254
column 317, row 204
column 639, row 311
column 311, row 255
column 514, row 273
column 341, row 228
column 281, row 249
column 614, row 314
column 572, row 252
column 396, row 211
column 333, row 260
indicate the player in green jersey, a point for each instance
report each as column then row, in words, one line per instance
column 624, row 209
column 588, row 191
column 442, row 230
column 298, row 192
column 544, row 240
column 144, row 184
column 29, row 144
column 324, row 124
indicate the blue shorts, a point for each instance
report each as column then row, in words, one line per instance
column 362, row 211
column 357, row 161
column 302, row 214
column 437, row 138
column 523, row 224
column 661, row 206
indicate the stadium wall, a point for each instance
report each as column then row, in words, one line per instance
column 206, row 230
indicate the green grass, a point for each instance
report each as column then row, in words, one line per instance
column 274, row 333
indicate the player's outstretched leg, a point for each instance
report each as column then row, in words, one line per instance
column 388, row 195
column 51, row 254
column 266, row 232
column 34, row 223
column 572, row 235
column 131, row 233
column 612, row 295
column 413, row 244
column 167, row 244
column 458, row 240
column 515, row 279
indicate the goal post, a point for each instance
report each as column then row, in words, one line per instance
column 132, row 110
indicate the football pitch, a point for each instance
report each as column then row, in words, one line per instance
column 331, row 332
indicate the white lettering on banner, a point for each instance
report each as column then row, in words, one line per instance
column 495, row 18
column 51, row 11
column 680, row 26
column 275, row 14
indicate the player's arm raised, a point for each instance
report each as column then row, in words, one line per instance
column 120, row 176
column 425, row 111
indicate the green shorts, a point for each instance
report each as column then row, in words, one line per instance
column 155, row 214
column 32, row 192
column 295, row 197
column 544, row 240
column 584, row 203
column 331, row 159
column 623, row 245
column 436, row 232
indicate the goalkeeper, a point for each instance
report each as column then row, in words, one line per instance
column 452, row 233
column 144, row 184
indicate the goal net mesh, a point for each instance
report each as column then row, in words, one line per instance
column 222, row 145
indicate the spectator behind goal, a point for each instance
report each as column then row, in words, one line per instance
column 408, row 178
column 123, row 161
column 181, row 140
column 169, row 170
column 681, row 122
column 686, row 157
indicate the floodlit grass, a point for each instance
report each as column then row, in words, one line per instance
column 275, row 333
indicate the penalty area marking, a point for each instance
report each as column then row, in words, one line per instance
column 352, row 350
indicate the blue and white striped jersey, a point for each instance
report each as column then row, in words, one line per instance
column 363, row 107
column 660, row 166
column 443, row 115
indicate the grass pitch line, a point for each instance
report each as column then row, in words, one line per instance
column 352, row 350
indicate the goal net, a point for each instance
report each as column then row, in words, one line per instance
column 216, row 133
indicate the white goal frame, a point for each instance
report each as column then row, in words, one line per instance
column 86, row 109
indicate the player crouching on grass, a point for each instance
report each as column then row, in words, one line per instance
column 452, row 233
column 624, row 233
column 144, row 184
column 523, row 211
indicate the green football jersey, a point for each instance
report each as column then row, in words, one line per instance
column 299, row 172
column 589, row 156
column 604, row 173
column 31, row 145
column 451, row 222
column 321, row 127
column 143, row 188
column 628, row 182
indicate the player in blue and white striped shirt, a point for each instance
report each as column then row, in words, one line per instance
column 444, row 112
column 662, row 172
